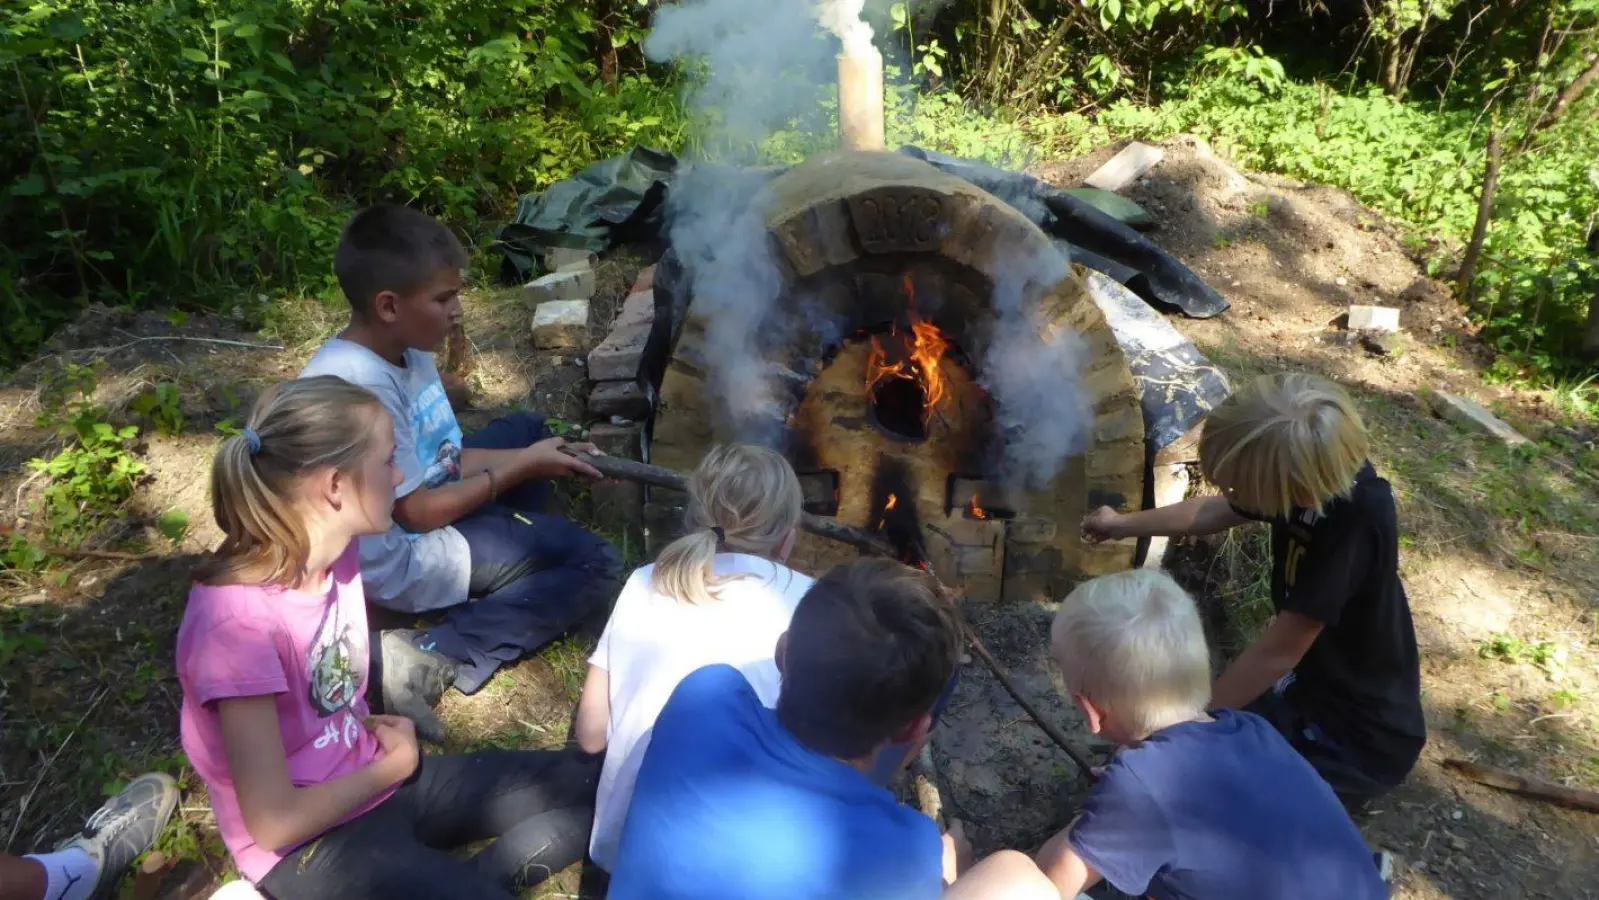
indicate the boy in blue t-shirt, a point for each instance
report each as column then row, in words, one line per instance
column 1195, row 806
column 468, row 522
column 737, row 800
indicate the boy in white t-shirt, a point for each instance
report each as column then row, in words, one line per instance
column 719, row 594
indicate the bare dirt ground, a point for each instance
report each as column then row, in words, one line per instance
column 1499, row 552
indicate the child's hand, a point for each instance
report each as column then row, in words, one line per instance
column 1103, row 524
column 401, row 753
column 547, row 460
column 957, row 851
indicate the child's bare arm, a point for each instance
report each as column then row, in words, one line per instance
column 1267, row 660
column 427, row 509
column 276, row 812
column 1065, row 869
column 594, row 711
column 1198, row 516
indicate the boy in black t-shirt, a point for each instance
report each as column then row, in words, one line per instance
column 1337, row 670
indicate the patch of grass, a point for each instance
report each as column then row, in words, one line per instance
column 568, row 659
column 1243, row 561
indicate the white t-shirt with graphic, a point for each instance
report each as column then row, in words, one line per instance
column 652, row 642
column 404, row 570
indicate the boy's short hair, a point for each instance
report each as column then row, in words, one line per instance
column 1284, row 441
column 1132, row 643
column 392, row 248
column 870, row 648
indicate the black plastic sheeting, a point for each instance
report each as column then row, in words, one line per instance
column 1091, row 238
column 611, row 202
column 622, row 200
column 1177, row 384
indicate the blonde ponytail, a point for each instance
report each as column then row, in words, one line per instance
column 743, row 499
column 294, row 429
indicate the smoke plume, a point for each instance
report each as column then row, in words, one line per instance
column 760, row 65
column 1034, row 377
column 843, row 19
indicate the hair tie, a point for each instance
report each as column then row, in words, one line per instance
column 721, row 536
column 252, row 440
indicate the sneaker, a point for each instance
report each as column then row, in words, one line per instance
column 125, row 827
column 1385, row 865
column 414, row 679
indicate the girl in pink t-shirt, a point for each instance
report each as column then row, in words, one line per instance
column 315, row 796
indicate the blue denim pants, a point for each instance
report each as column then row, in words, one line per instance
column 534, row 575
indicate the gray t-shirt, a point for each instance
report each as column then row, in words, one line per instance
column 404, row 570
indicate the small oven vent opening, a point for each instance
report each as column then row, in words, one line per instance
column 976, row 498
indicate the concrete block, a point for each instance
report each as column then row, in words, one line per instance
column 558, row 258
column 627, row 399
column 618, row 503
column 1373, row 318
column 1469, row 414
column 645, row 282
column 567, row 284
column 1171, row 486
column 561, row 325
column 619, row 356
column 1125, row 167
column 637, row 309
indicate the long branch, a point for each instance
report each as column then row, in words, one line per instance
column 825, row 526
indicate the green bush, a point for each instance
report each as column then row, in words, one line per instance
column 179, row 151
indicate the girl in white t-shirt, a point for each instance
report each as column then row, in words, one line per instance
column 719, row 594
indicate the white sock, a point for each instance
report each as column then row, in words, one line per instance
column 69, row 874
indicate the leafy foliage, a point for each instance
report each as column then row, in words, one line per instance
column 183, row 148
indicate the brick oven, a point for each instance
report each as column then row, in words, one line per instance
column 881, row 408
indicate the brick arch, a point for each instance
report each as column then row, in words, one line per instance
column 843, row 228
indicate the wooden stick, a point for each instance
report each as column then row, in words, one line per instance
column 1573, row 798
column 1055, row 734
column 824, row 526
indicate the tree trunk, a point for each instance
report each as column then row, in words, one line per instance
column 1485, row 211
column 1590, row 339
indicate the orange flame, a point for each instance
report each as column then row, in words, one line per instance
column 919, row 356
column 976, row 511
column 893, row 501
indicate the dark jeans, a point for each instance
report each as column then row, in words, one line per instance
column 1332, row 761
column 537, row 807
column 534, row 575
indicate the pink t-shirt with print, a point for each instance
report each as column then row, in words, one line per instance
column 309, row 651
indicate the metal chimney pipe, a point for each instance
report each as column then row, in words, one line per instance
column 860, row 101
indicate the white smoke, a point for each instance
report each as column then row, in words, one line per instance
column 757, row 66
column 843, row 19
column 1034, row 377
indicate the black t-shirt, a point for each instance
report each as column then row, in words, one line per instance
column 1361, row 679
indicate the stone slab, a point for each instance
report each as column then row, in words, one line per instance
column 1125, row 167
column 1373, row 318
column 637, row 309
column 645, row 282
column 567, row 284
column 557, row 259
column 620, row 355
column 561, row 325
column 1469, row 414
column 627, row 399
